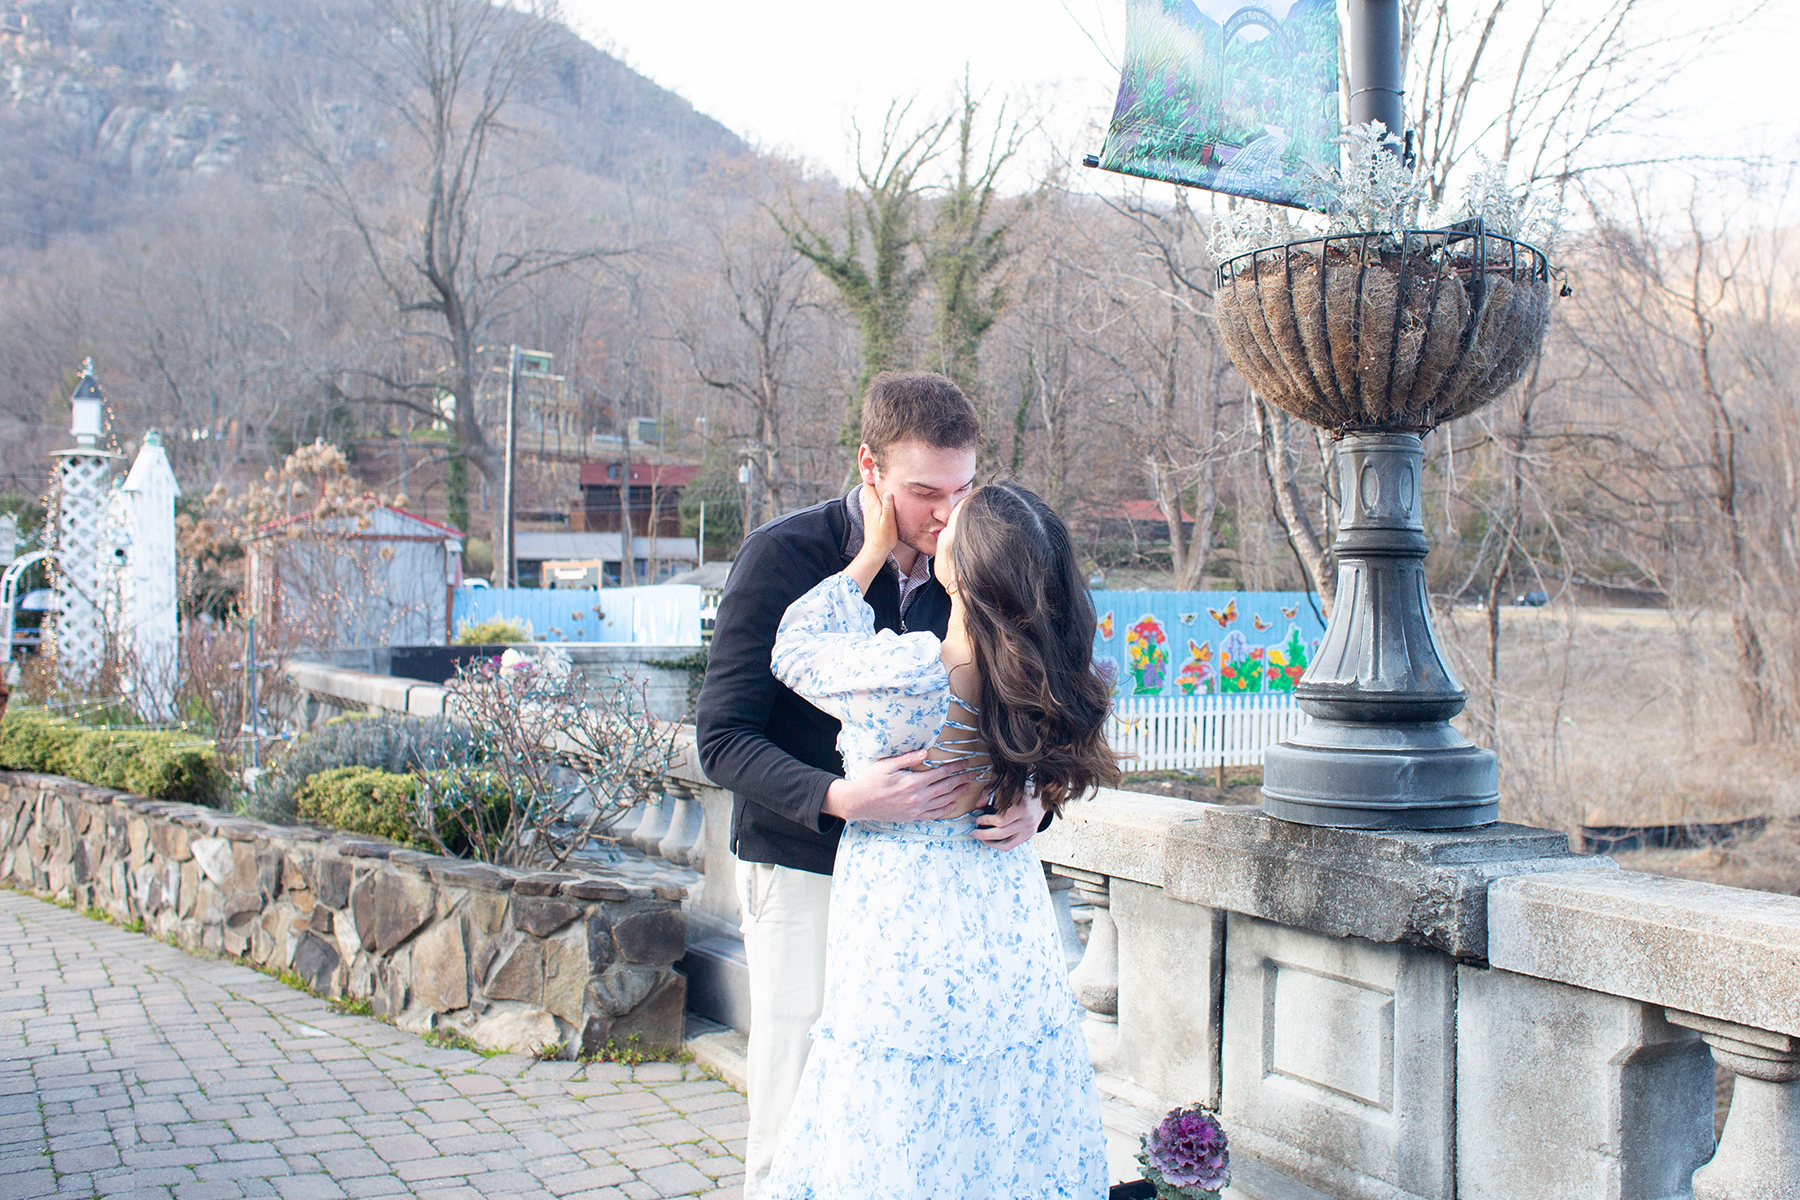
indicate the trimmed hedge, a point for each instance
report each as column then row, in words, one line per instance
column 161, row 765
column 360, row 800
column 380, row 803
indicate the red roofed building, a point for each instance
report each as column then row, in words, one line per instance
column 1138, row 520
column 654, row 497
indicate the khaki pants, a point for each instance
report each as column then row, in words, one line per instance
column 785, row 913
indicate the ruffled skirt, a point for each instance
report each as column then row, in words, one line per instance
column 948, row 1060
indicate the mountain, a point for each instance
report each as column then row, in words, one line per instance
column 109, row 104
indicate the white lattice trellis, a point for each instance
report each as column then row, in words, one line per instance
column 80, row 631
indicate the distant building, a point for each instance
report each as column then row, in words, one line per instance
column 590, row 559
column 1137, row 521
column 328, row 583
column 654, row 498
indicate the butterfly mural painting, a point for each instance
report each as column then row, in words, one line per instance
column 1227, row 615
column 1197, row 674
column 1256, row 620
column 1106, row 626
column 1290, row 611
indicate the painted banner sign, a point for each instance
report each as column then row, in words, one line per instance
column 1227, row 96
column 1206, row 643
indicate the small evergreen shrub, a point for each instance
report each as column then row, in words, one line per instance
column 494, row 632
column 384, row 804
column 360, row 800
column 161, row 765
column 387, row 741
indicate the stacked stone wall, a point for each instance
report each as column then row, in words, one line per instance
column 514, row 960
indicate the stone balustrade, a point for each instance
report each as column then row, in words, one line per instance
column 1478, row 1015
column 530, row 961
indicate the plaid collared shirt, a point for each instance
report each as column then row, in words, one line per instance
column 910, row 582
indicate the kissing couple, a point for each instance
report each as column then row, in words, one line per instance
column 900, row 693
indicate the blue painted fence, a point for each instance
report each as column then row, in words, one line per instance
column 665, row 615
column 1206, row 643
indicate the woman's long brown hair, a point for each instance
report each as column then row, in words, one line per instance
column 1043, row 709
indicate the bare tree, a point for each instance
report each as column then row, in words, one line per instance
column 452, row 239
column 1661, row 329
column 967, row 250
column 1169, row 358
column 765, row 301
column 875, row 270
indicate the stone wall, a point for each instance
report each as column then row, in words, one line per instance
column 514, row 960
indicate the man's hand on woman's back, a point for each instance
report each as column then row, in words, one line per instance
column 1014, row 827
column 890, row 790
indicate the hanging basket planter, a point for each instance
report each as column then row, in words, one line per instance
column 1385, row 332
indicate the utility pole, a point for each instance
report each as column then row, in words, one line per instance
column 503, row 565
column 627, row 560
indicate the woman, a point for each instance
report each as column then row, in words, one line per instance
column 948, row 1060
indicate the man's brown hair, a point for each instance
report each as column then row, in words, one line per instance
column 921, row 405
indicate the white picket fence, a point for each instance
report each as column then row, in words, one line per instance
column 1184, row 733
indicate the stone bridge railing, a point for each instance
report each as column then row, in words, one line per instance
column 1478, row 1015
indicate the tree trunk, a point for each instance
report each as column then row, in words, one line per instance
column 1290, row 510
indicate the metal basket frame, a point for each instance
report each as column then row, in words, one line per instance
column 1433, row 244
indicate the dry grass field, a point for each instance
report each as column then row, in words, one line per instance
column 1630, row 717
column 1608, row 717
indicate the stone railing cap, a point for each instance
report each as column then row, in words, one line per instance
column 1727, row 953
column 1422, row 888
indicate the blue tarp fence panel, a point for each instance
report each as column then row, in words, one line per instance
column 664, row 615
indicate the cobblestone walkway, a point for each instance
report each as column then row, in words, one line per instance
column 129, row 1068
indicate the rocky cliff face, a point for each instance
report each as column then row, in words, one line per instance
column 140, row 87
column 109, row 99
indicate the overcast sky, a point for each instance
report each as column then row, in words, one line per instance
column 790, row 75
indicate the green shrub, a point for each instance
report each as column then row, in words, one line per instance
column 360, row 800
column 495, row 632
column 385, row 804
column 161, row 765
column 389, row 741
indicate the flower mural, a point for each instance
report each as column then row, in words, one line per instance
column 1145, row 662
column 1144, row 650
column 1197, row 676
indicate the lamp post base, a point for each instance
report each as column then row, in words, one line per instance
column 1394, row 776
column 1379, row 752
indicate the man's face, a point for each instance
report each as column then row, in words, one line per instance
column 925, row 481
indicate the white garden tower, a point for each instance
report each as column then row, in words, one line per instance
column 80, row 502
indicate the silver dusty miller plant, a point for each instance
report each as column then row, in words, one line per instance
column 1376, row 193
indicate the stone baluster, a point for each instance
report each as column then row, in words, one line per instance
column 1096, row 979
column 649, row 832
column 627, row 822
column 685, row 815
column 1060, row 886
column 1758, row 1157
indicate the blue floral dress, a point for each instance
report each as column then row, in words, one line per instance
column 948, row 1060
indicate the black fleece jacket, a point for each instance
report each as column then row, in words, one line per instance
column 775, row 752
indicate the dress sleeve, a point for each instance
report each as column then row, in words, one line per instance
column 828, row 650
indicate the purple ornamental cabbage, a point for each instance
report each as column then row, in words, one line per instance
column 1185, row 1156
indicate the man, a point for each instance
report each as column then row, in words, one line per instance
column 778, row 754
